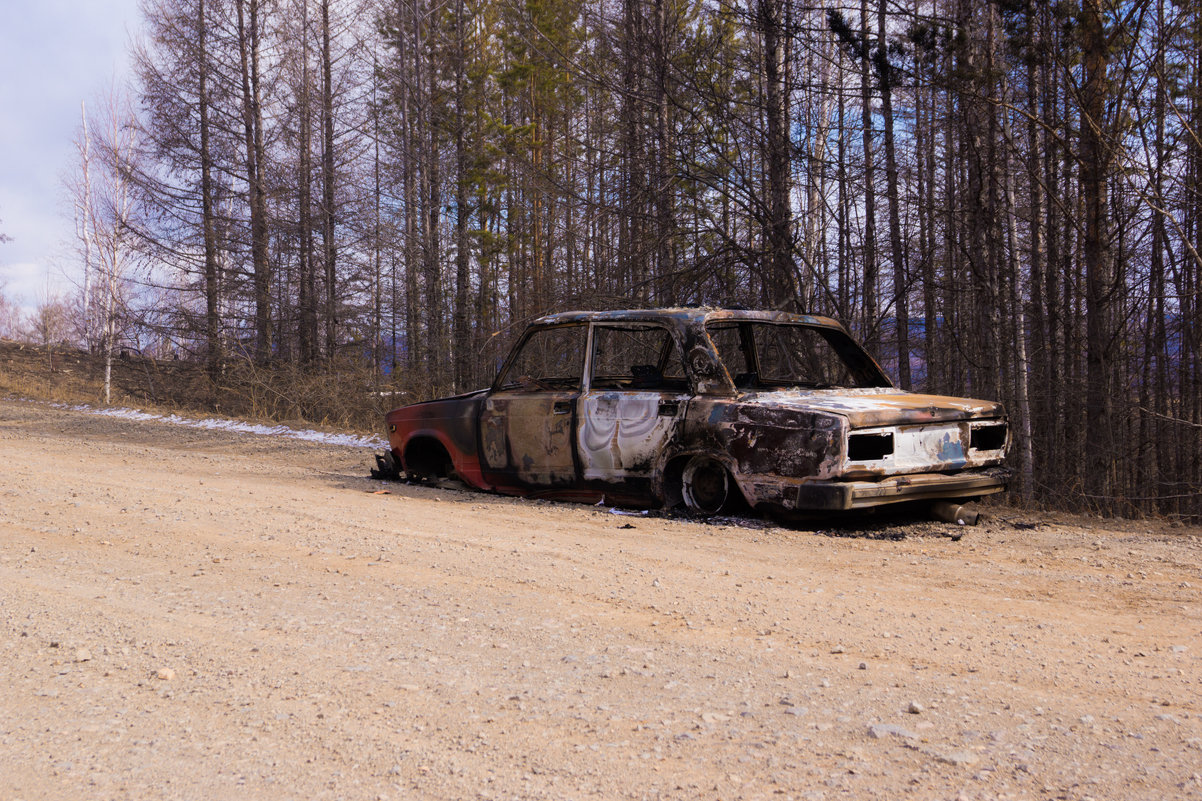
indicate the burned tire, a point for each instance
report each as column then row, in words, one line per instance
column 386, row 468
column 705, row 486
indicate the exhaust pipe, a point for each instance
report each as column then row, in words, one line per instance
column 950, row 512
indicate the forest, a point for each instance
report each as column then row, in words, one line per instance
column 1000, row 199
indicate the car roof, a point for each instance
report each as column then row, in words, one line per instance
column 688, row 314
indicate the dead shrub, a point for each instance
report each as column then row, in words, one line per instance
column 343, row 394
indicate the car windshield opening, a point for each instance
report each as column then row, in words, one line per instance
column 765, row 356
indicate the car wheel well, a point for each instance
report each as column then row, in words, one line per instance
column 426, row 457
column 684, row 477
column 673, row 470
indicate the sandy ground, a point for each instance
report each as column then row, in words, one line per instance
column 201, row 615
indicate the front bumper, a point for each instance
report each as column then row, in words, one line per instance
column 814, row 495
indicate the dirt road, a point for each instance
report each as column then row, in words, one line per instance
column 198, row 615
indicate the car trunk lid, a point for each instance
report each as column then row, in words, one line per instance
column 881, row 406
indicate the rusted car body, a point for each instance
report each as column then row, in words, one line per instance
column 705, row 408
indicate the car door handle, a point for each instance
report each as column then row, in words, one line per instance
column 561, row 407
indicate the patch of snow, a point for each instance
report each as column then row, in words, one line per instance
column 235, row 426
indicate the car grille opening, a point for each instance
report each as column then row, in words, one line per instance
column 869, row 447
column 990, row 437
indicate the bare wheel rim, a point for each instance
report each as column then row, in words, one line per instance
column 705, row 485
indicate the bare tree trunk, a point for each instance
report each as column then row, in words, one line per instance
column 1099, row 269
column 252, row 120
column 1041, row 414
column 377, row 244
column 539, row 287
column 307, row 289
column 815, row 213
column 1057, row 313
column 632, row 267
column 871, row 327
column 842, row 212
column 86, row 223
column 1155, row 440
column 953, row 152
column 213, row 354
column 783, row 291
column 328, row 178
column 430, row 193
column 924, row 129
column 901, row 306
column 407, row 101
column 1192, row 400
column 1021, row 367
column 666, row 261
column 112, row 243
column 460, row 344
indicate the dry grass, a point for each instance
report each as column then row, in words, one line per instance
column 66, row 375
column 339, row 395
column 345, row 396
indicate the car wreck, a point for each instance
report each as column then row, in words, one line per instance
column 707, row 409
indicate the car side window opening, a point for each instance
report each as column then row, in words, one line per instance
column 729, row 342
column 637, row 358
column 551, row 359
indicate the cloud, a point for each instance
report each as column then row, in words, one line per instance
column 53, row 54
column 29, row 284
column 39, row 258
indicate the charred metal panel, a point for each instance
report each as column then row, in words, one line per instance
column 528, row 436
column 454, row 417
column 927, row 486
column 869, row 407
column 916, row 449
column 762, row 439
column 622, row 434
column 709, row 377
column 817, row 495
column 450, row 421
column 494, row 454
column 938, row 447
column 787, row 442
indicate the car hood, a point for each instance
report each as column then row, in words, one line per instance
column 879, row 406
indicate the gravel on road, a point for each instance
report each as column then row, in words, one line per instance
column 196, row 614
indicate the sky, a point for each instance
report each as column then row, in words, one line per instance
column 53, row 55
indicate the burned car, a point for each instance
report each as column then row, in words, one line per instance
column 705, row 408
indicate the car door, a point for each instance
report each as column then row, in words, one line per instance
column 527, row 422
column 636, row 393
